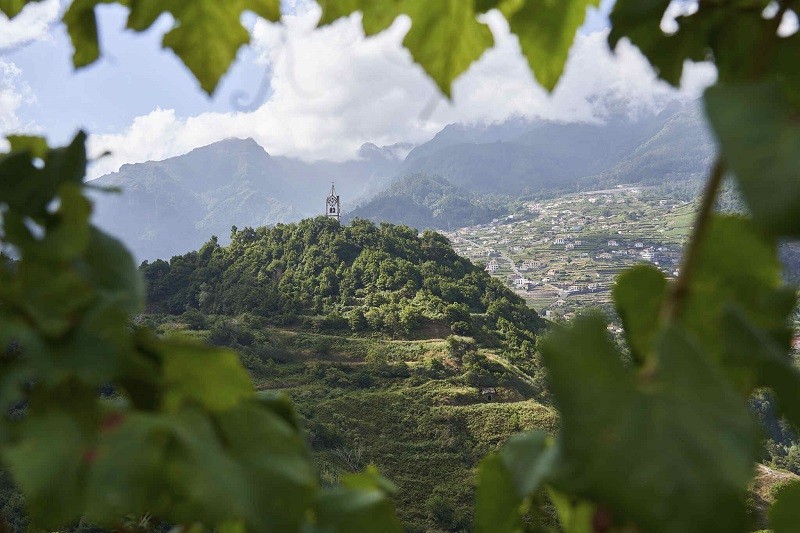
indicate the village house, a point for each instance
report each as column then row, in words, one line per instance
column 521, row 283
column 613, row 243
column 492, row 266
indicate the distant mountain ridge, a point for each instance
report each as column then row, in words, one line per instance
column 427, row 202
column 172, row 206
column 558, row 156
column 175, row 205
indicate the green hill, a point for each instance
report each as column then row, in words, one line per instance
column 359, row 278
column 356, row 324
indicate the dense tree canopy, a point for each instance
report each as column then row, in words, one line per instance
column 383, row 278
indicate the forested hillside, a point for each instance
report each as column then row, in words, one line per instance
column 360, row 277
column 423, row 201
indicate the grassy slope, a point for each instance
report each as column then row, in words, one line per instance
column 426, row 429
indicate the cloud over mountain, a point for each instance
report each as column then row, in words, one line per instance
column 332, row 89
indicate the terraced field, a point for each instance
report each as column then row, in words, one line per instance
column 563, row 254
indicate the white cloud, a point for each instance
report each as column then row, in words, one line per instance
column 14, row 93
column 333, row 89
column 33, row 23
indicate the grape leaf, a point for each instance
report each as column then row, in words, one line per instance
column 128, row 472
column 51, row 300
column 207, row 33
column 211, row 377
column 445, row 37
column 758, row 361
column 640, row 22
column 639, row 294
column 274, row 452
column 12, row 8
column 737, row 265
column 506, row 479
column 81, row 25
column 113, row 271
column 496, row 503
column 784, row 515
column 722, row 31
column 29, row 190
column 49, row 460
column 759, row 135
column 377, row 15
column 680, row 435
column 36, row 146
column 360, row 504
column 67, row 231
column 546, row 30
column 206, row 484
column 574, row 515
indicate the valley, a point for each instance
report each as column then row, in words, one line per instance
column 563, row 254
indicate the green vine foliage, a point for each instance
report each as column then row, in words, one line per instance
column 665, row 443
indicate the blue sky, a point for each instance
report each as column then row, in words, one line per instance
column 133, row 77
column 329, row 90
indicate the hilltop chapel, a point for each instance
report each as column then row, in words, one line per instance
column 332, row 206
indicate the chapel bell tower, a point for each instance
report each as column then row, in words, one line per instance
column 332, row 206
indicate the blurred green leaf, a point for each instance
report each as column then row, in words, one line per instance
column 639, row 294
column 207, row 33
column 509, row 477
column 679, row 435
column 50, row 299
column 205, row 483
column 575, row 516
column 273, row 452
column 784, row 516
column 497, row 505
column 755, row 358
column 35, row 146
column 81, row 25
column 50, row 459
column 11, row 8
column 445, row 36
column 206, row 376
column 113, row 271
column 546, row 30
column 29, row 190
column 759, row 135
column 737, row 265
column 360, row 504
column 377, row 15
column 128, row 474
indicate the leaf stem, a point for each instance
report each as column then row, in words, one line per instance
column 673, row 306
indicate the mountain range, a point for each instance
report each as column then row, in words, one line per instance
column 172, row 206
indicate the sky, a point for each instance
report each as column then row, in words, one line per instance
column 300, row 91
